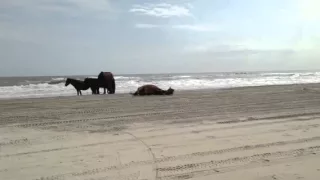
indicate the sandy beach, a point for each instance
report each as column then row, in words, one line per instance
column 252, row 133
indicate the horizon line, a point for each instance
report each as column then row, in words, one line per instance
column 135, row 74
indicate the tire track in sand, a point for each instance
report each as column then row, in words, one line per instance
column 171, row 170
column 28, row 141
column 148, row 137
column 189, row 169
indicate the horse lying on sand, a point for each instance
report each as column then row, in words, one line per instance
column 150, row 89
column 77, row 84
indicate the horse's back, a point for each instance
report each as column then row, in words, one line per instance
column 78, row 84
column 91, row 81
column 150, row 89
column 106, row 76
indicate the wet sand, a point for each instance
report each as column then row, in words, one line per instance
column 265, row 133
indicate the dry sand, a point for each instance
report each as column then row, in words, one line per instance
column 262, row 133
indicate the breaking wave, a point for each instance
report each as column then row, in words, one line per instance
column 55, row 86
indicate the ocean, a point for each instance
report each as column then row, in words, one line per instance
column 27, row 87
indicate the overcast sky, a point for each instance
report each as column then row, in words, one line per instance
column 63, row 37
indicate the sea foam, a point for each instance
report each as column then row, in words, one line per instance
column 126, row 84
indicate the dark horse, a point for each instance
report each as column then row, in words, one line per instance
column 105, row 80
column 93, row 83
column 150, row 89
column 77, row 84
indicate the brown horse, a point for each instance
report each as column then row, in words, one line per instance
column 106, row 80
column 150, row 89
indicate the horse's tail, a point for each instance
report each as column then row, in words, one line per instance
column 113, row 86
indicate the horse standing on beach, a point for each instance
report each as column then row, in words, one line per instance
column 105, row 80
column 77, row 84
column 150, row 89
column 93, row 83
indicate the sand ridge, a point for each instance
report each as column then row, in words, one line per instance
column 265, row 133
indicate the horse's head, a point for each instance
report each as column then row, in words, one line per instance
column 170, row 91
column 86, row 80
column 67, row 82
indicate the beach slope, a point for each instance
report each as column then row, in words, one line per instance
column 265, row 133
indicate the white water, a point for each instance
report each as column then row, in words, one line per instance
column 125, row 84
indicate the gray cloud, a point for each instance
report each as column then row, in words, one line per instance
column 147, row 26
column 73, row 8
column 188, row 27
column 195, row 27
column 162, row 10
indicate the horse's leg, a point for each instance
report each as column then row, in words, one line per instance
column 104, row 90
column 113, row 87
column 162, row 92
column 93, row 89
column 110, row 89
column 80, row 92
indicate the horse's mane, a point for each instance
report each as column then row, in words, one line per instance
column 70, row 79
